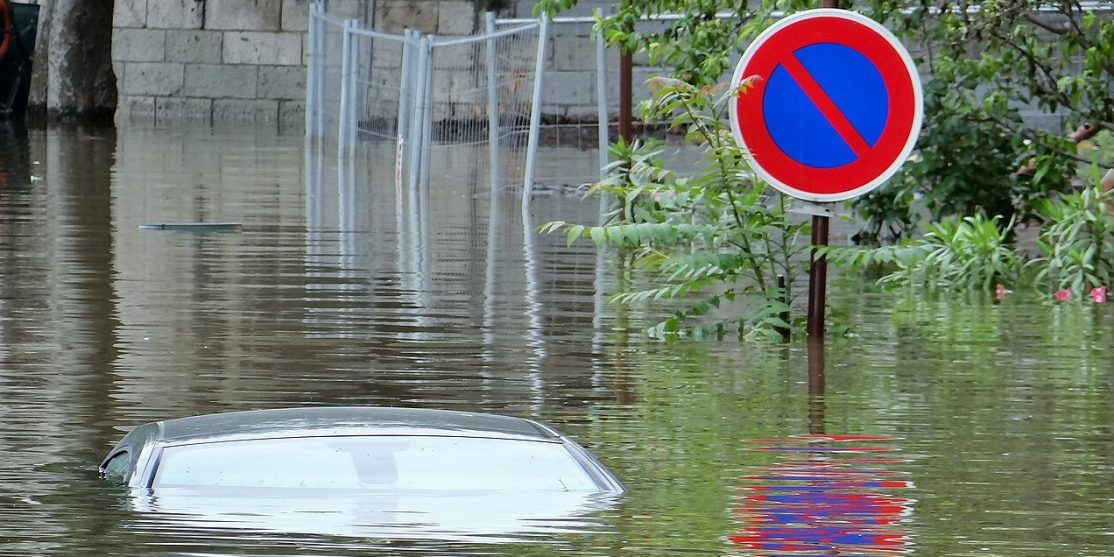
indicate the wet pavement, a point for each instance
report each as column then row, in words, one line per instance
column 976, row 429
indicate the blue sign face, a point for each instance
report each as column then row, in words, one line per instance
column 826, row 108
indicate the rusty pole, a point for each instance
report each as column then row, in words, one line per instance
column 626, row 77
column 626, row 130
column 818, row 279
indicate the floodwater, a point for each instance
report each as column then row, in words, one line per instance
column 936, row 428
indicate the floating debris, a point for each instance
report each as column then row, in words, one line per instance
column 194, row 226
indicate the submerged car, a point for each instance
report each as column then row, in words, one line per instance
column 355, row 449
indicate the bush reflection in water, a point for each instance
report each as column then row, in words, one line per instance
column 825, row 495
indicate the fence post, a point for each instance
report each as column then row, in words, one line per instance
column 492, row 105
column 535, row 112
column 323, row 44
column 404, row 87
column 601, row 95
column 311, row 74
column 345, row 89
column 319, row 80
column 427, row 113
column 353, row 81
column 416, row 116
column 401, row 123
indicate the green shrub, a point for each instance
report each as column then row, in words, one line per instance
column 710, row 238
column 1076, row 242
column 973, row 253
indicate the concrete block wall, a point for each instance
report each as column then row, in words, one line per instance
column 212, row 60
column 241, row 60
column 570, row 82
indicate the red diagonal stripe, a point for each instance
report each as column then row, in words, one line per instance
column 827, row 107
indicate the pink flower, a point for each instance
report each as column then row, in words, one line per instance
column 1063, row 295
column 1000, row 292
column 1098, row 295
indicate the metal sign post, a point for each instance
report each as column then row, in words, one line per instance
column 834, row 110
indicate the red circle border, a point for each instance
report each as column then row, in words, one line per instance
column 903, row 119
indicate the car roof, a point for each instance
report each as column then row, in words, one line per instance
column 346, row 420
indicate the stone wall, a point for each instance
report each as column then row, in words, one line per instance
column 212, row 60
column 244, row 60
column 241, row 60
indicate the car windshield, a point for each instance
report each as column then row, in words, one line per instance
column 376, row 462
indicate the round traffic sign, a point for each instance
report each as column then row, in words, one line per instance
column 835, row 106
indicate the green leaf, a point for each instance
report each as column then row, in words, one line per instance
column 573, row 232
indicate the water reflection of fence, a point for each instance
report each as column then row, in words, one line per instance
column 358, row 240
column 825, row 495
column 432, row 97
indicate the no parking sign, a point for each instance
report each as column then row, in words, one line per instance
column 835, row 110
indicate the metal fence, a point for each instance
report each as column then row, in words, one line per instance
column 428, row 103
column 581, row 77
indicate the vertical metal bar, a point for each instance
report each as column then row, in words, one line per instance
column 426, row 240
column 405, row 109
column 535, row 112
column 817, row 278
column 416, row 244
column 427, row 116
column 404, row 93
column 345, row 88
column 319, row 80
column 598, row 302
column 492, row 105
column 601, row 95
column 322, row 70
column 404, row 88
column 311, row 73
column 416, row 117
column 369, row 23
column 493, row 214
column 353, row 84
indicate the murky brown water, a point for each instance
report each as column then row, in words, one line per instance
column 989, row 427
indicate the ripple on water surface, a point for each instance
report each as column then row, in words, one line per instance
column 996, row 419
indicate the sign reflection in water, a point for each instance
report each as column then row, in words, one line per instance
column 825, row 495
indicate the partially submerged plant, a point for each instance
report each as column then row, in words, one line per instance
column 1075, row 261
column 1077, row 242
column 973, row 253
column 713, row 237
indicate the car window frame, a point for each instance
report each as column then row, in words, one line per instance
column 594, row 467
column 106, row 466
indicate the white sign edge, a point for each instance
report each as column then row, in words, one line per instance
column 914, row 131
